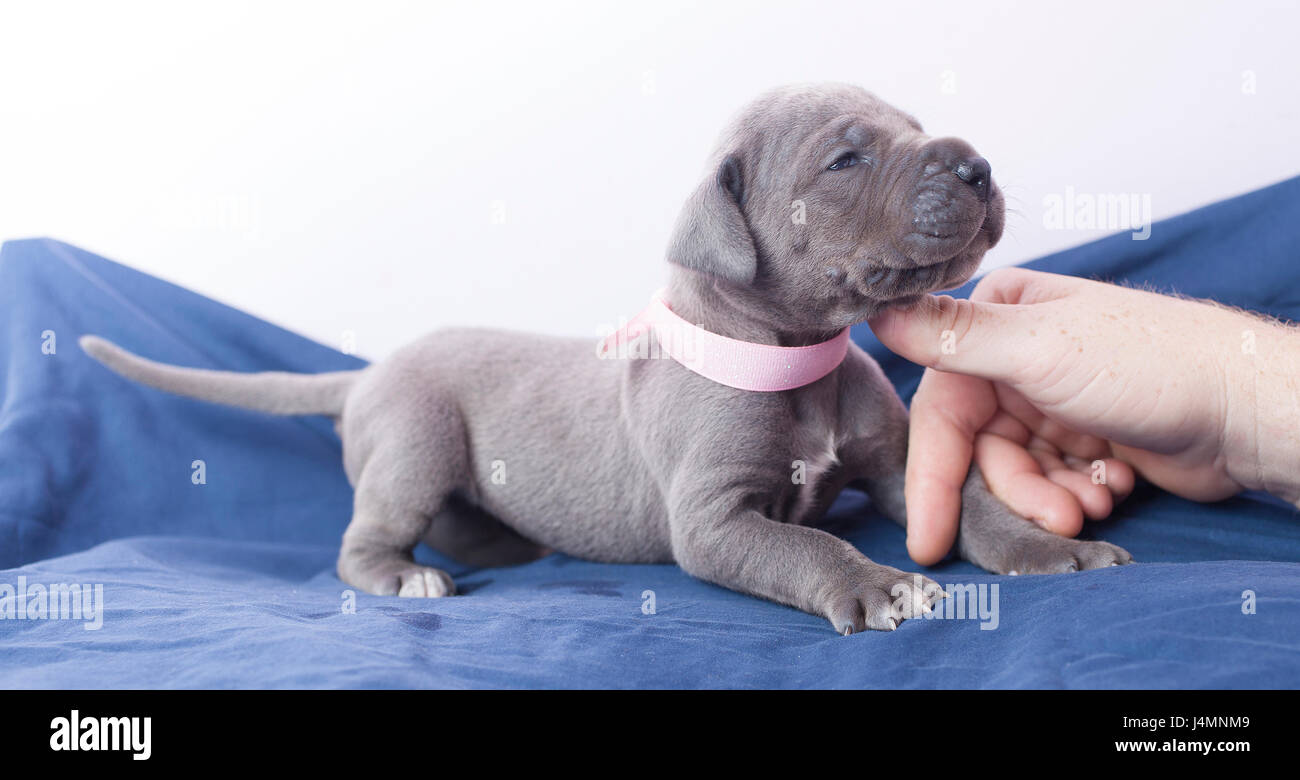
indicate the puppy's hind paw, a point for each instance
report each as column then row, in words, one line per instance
column 425, row 582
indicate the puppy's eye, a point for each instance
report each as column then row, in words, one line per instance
column 847, row 160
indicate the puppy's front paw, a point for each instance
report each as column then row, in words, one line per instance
column 997, row 539
column 881, row 598
column 1047, row 553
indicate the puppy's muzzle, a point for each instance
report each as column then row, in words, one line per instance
column 955, row 156
column 950, row 201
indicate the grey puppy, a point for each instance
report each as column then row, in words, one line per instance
column 495, row 447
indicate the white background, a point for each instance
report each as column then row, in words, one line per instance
column 346, row 167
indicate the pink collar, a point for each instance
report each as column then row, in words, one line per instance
column 739, row 364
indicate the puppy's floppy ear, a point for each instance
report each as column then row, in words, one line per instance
column 711, row 235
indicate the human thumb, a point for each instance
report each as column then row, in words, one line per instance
column 987, row 340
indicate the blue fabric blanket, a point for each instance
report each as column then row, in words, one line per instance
column 229, row 582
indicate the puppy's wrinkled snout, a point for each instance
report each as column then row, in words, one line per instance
column 954, row 156
column 976, row 172
column 950, row 169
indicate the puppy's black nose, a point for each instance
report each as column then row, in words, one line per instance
column 976, row 172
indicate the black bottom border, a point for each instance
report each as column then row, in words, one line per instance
column 242, row 728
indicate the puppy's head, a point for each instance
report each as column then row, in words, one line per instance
column 824, row 204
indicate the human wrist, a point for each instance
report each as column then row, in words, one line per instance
column 1262, row 427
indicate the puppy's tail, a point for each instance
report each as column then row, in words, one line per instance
column 276, row 392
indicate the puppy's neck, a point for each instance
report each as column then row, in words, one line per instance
column 733, row 311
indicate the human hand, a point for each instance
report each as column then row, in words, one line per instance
column 1059, row 388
